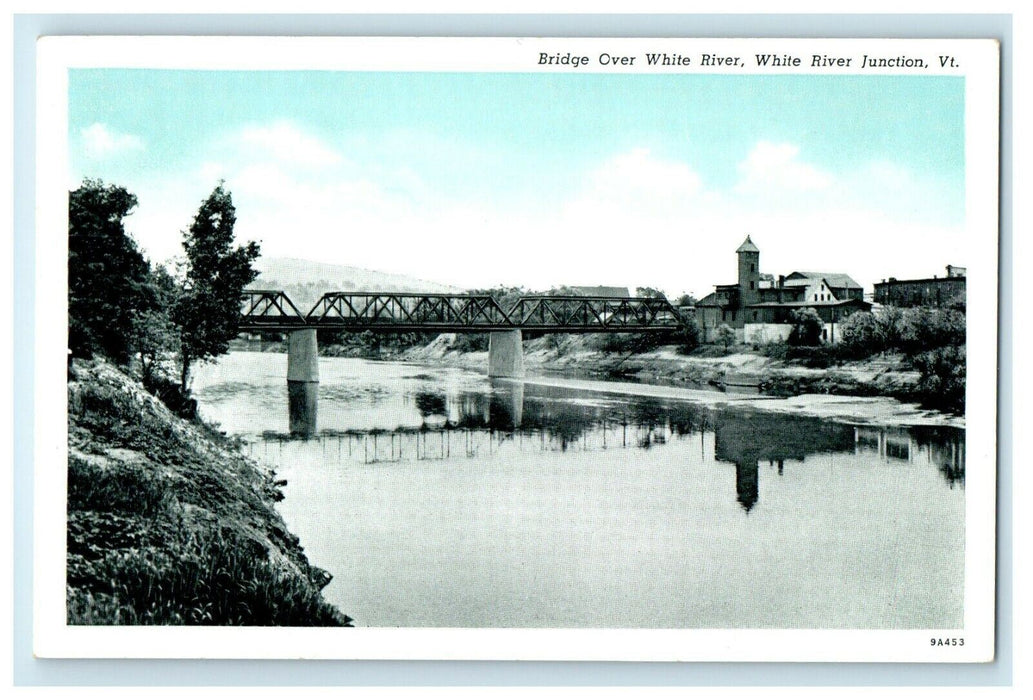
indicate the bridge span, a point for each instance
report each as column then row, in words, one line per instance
column 273, row 310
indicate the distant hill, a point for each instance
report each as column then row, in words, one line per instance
column 305, row 281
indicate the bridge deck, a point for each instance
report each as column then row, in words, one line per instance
column 271, row 310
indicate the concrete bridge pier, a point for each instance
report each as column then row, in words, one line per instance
column 506, row 408
column 302, row 381
column 506, row 354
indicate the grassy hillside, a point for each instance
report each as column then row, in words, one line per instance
column 168, row 524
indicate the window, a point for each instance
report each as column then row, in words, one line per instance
column 753, row 267
column 751, row 285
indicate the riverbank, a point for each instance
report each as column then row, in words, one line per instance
column 169, row 524
column 881, row 388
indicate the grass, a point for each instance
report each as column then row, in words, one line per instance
column 204, row 575
column 168, row 525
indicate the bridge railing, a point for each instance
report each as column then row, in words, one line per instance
column 273, row 310
column 260, row 308
column 409, row 310
column 594, row 314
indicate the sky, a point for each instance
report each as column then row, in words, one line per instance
column 538, row 180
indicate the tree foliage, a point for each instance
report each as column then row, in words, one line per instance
column 911, row 331
column 154, row 333
column 108, row 278
column 649, row 293
column 725, row 335
column 861, row 334
column 942, row 376
column 923, row 329
column 688, row 337
column 806, row 330
column 208, row 310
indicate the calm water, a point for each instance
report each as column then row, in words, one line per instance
column 439, row 498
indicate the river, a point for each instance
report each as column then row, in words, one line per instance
column 437, row 497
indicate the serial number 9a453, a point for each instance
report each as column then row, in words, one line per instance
column 947, row 641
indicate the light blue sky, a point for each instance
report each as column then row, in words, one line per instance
column 621, row 179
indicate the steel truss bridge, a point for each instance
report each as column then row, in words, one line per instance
column 270, row 310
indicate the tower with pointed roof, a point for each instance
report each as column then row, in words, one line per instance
column 749, row 272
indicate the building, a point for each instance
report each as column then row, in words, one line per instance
column 600, row 291
column 934, row 291
column 759, row 307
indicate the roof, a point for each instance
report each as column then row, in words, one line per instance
column 801, row 304
column 924, row 280
column 833, row 279
column 747, row 247
column 711, row 299
column 601, row 291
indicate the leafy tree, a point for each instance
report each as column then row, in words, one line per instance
column 108, row 277
column 154, row 332
column 686, row 300
column 889, row 319
column 861, row 335
column 688, row 336
column 649, row 293
column 208, row 311
column 924, row 328
column 806, row 329
column 942, row 378
column 725, row 335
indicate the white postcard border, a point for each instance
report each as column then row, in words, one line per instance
column 52, row 638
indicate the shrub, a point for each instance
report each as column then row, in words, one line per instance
column 777, row 349
column 725, row 336
column 923, row 329
column 553, row 341
column 470, row 342
column 806, row 328
column 816, row 357
column 627, row 342
column 688, row 337
column 942, row 378
column 861, row 335
column 170, row 393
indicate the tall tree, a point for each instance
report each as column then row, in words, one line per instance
column 208, row 310
column 108, row 277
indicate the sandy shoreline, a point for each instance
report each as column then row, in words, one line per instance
column 658, row 373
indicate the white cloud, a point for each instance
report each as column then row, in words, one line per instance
column 101, row 141
column 771, row 168
column 638, row 173
column 639, row 218
column 287, row 143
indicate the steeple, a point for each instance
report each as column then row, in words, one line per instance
column 749, row 272
column 747, row 246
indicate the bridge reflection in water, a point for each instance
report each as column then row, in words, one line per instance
column 531, row 417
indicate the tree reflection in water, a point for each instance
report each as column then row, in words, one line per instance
column 555, row 418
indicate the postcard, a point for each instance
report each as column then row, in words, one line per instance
column 501, row 348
